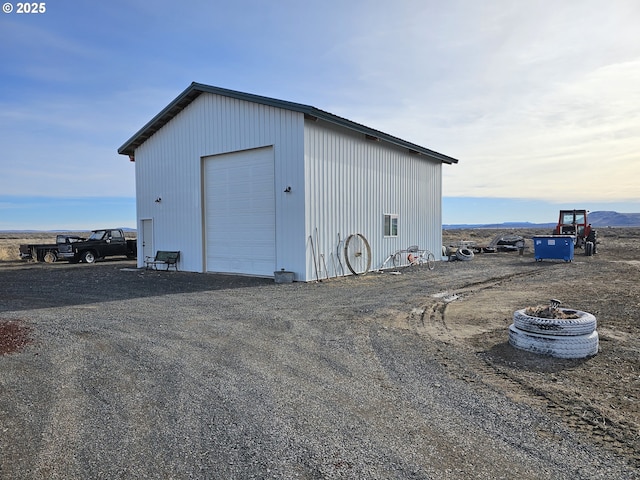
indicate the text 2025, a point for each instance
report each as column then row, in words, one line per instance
column 31, row 7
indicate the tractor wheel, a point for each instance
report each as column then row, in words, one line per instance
column 588, row 249
column 593, row 238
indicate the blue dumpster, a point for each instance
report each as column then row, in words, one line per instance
column 553, row 247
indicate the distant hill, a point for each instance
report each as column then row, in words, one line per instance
column 614, row 219
column 506, row 225
column 597, row 219
column 124, row 229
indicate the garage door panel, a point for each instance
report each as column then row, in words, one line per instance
column 240, row 212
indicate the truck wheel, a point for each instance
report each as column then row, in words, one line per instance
column 88, row 257
column 50, row 257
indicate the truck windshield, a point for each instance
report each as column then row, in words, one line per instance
column 98, row 235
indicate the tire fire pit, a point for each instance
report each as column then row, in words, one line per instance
column 551, row 330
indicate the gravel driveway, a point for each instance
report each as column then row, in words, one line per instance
column 139, row 374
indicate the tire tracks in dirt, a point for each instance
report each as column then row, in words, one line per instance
column 495, row 368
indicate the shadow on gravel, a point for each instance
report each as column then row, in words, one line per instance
column 35, row 286
column 506, row 355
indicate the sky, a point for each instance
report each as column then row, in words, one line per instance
column 538, row 100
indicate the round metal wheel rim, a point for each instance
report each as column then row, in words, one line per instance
column 431, row 261
column 357, row 254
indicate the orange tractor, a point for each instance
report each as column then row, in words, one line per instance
column 575, row 223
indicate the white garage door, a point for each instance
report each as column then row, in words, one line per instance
column 240, row 212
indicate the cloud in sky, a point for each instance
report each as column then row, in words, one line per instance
column 538, row 100
column 522, row 94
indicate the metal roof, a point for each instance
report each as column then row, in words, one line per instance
column 195, row 89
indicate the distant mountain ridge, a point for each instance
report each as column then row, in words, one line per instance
column 600, row 219
column 597, row 219
column 614, row 219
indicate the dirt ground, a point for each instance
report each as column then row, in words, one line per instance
column 599, row 396
column 467, row 320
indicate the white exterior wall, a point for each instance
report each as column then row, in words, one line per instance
column 351, row 182
column 169, row 165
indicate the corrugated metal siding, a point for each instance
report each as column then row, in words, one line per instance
column 352, row 182
column 341, row 183
column 169, row 165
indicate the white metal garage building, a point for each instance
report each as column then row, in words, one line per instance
column 246, row 184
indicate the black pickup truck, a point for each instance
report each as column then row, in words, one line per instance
column 46, row 252
column 102, row 243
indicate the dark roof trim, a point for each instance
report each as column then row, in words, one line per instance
column 195, row 89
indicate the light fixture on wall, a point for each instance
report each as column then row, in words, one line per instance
column 158, row 200
column 287, row 190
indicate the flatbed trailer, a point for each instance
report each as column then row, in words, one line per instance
column 39, row 252
column 46, row 252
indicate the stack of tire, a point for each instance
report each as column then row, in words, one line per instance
column 557, row 337
column 464, row 254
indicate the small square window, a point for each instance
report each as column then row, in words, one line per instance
column 391, row 225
